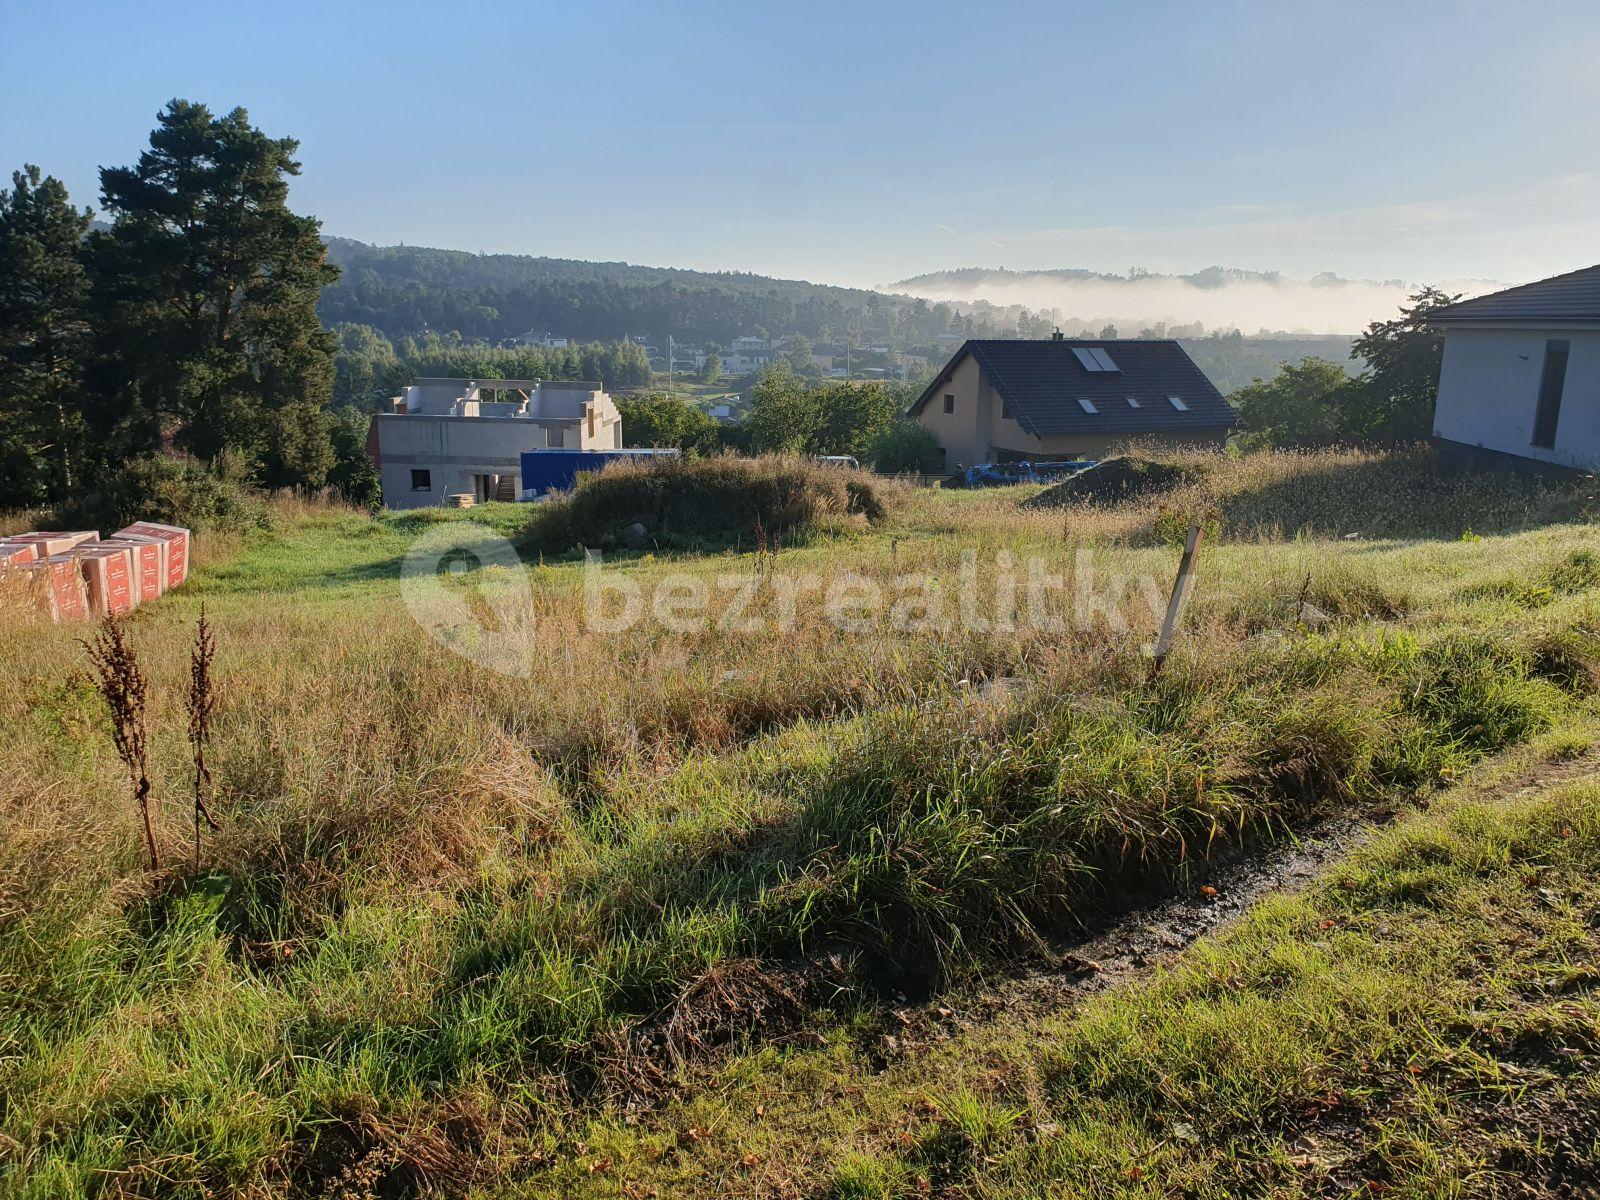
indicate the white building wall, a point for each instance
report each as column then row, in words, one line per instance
column 1489, row 392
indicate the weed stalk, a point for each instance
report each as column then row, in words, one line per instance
column 202, row 701
column 123, row 685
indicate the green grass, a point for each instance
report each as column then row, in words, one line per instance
column 457, row 922
column 336, row 549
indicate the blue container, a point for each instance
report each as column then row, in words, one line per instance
column 545, row 471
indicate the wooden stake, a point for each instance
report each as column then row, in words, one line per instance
column 1181, row 587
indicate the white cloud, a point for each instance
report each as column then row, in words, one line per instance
column 1516, row 235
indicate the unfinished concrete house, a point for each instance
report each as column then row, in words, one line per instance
column 444, row 439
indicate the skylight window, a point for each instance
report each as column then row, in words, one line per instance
column 1177, row 403
column 1133, row 402
column 1094, row 359
column 1087, row 405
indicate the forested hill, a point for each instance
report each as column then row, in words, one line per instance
column 405, row 290
column 416, row 291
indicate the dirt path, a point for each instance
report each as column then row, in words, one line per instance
column 1150, row 936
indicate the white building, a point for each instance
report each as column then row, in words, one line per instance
column 541, row 337
column 746, row 354
column 1521, row 373
column 444, row 437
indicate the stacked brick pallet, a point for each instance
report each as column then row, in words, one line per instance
column 78, row 576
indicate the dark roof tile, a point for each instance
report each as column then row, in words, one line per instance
column 1042, row 382
column 1573, row 297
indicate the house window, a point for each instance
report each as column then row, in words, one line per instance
column 949, row 403
column 421, row 481
column 558, row 437
column 1177, row 403
column 1087, row 405
column 1133, row 402
column 1005, row 409
column 1551, row 384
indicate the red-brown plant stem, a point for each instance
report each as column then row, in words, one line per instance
column 202, row 701
column 123, row 685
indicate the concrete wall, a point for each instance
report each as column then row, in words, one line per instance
column 435, row 396
column 1489, row 392
column 457, row 436
column 452, row 450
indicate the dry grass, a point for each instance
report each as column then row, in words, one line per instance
column 1401, row 494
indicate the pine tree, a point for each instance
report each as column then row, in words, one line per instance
column 206, row 290
column 43, row 338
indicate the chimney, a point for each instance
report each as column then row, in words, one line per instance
column 1057, row 335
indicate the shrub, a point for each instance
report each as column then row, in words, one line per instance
column 172, row 491
column 906, row 447
column 689, row 503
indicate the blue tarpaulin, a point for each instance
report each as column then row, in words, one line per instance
column 546, row 471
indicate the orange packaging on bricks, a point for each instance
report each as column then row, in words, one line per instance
column 49, row 544
column 108, row 572
column 17, row 554
column 58, row 587
column 16, row 582
column 177, row 540
column 149, row 561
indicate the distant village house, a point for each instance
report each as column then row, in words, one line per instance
column 747, row 354
column 540, row 337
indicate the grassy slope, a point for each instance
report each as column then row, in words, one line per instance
column 1424, row 1022
column 449, row 897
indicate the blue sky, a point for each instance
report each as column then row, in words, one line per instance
column 864, row 142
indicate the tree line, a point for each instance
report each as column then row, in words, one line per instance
column 368, row 367
column 188, row 323
column 792, row 415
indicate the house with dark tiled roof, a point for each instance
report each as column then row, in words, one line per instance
column 1521, row 372
column 1005, row 401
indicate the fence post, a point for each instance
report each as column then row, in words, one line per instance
column 1181, row 587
